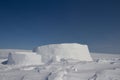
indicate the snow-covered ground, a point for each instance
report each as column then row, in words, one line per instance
column 103, row 67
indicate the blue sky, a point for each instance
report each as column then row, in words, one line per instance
column 25, row 24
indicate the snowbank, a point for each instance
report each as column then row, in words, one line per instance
column 24, row 58
column 56, row 52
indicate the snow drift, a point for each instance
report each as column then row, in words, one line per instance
column 56, row 52
column 24, row 58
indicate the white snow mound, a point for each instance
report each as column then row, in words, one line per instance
column 24, row 58
column 56, row 52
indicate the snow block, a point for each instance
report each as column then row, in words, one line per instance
column 24, row 58
column 56, row 52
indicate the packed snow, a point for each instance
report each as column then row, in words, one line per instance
column 4, row 52
column 98, row 67
column 56, row 52
column 24, row 58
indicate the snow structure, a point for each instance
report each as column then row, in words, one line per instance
column 56, row 52
column 4, row 52
column 24, row 58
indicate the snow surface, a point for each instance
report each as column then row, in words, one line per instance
column 65, row 70
column 103, row 67
column 56, row 52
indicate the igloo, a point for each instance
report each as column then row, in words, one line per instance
column 24, row 58
column 56, row 52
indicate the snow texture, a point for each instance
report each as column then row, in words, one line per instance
column 56, row 52
column 59, row 75
column 64, row 70
column 24, row 58
column 4, row 52
column 72, row 65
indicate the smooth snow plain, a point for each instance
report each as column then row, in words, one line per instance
column 103, row 67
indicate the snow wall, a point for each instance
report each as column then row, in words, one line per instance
column 24, row 58
column 56, row 52
column 4, row 52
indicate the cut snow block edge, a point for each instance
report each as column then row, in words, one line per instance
column 56, row 52
column 24, row 58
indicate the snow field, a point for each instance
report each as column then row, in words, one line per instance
column 59, row 65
